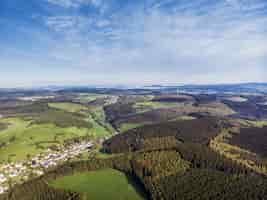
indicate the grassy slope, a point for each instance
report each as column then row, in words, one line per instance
column 127, row 126
column 69, row 107
column 24, row 134
column 86, row 98
column 97, row 114
column 97, row 130
column 149, row 105
column 2, row 126
column 98, row 185
column 28, row 135
column 61, row 118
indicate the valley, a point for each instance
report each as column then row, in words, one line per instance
column 131, row 145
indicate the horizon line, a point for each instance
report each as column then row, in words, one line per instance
column 126, row 86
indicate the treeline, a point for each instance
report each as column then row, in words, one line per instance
column 173, row 98
column 157, row 164
column 150, row 116
column 39, row 188
column 62, row 119
column 253, row 139
column 203, row 184
column 170, row 160
column 202, row 157
column 199, row 155
column 195, row 172
column 3, row 126
column 173, row 161
column 142, row 166
column 165, row 174
column 248, row 109
column 41, row 113
column 115, row 111
column 197, row 130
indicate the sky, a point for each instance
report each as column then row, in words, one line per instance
column 132, row 42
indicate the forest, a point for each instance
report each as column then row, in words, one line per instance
column 171, row 146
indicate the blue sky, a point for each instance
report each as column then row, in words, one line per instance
column 44, row 42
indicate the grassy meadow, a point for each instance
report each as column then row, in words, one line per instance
column 68, row 107
column 127, row 126
column 2, row 126
column 98, row 185
column 33, row 133
column 150, row 105
column 86, row 97
column 23, row 138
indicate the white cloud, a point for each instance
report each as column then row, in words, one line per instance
column 190, row 42
column 66, row 3
column 75, row 3
column 68, row 24
column 247, row 5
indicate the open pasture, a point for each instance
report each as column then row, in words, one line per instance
column 23, row 138
column 68, row 107
column 97, row 185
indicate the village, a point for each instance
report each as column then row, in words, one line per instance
column 19, row 172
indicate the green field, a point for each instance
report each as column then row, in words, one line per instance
column 92, row 116
column 24, row 137
column 39, row 126
column 2, row 126
column 98, row 112
column 97, row 130
column 150, row 105
column 127, row 126
column 69, row 107
column 42, row 113
column 88, row 97
column 99, row 185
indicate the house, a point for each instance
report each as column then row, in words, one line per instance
column 2, row 178
column 1, row 190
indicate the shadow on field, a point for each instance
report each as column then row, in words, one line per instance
column 138, row 186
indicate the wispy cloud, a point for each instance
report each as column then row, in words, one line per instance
column 247, row 5
column 227, row 36
column 66, row 3
column 67, row 24
column 75, row 3
column 162, row 40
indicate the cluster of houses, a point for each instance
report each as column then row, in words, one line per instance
column 19, row 172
